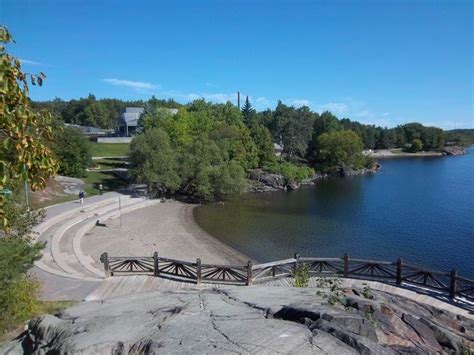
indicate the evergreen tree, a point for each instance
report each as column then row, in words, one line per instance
column 248, row 112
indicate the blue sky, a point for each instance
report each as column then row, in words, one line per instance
column 382, row 62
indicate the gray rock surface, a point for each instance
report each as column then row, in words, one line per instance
column 454, row 150
column 262, row 320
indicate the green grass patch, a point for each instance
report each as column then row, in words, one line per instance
column 109, row 163
column 109, row 149
column 108, row 179
column 15, row 327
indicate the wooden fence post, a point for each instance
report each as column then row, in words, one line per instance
column 198, row 271
column 104, row 258
column 399, row 271
column 453, row 286
column 156, row 271
column 249, row 273
column 346, row 265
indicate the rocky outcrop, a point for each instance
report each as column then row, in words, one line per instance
column 249, row 320
column 454, row 150
column 263, row 181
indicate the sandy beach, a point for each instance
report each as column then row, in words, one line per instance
column 168, row 228
column 386, row 153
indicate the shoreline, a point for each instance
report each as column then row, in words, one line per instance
column 388, row 153
column 168, row 228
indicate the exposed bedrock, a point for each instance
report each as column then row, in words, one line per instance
column 254, row 319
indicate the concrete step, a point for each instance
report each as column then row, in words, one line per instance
column 87, row 261
column 55, row 216
column 61, row 256
column 65, row 258
column 62, row 247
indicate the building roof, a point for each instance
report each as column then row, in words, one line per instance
column 130, row 116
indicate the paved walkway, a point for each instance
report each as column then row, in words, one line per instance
column 65, row 271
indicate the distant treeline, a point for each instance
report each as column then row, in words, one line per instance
column 293, row 127
column 205, row 150
column 90, row 111
column 460, row 136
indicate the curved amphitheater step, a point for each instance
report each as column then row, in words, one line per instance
column 64, row 227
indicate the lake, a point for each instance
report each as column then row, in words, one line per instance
column 420, row 209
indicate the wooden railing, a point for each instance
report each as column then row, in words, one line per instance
column 396, row 273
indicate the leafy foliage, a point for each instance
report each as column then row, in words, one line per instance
column 18, row 292
column 199, row 152
column 339, row 149
column 26, row 137
column 291, row 171
column 155, row 162
column 416, row 145
column 72, row 151
column 462, row 137
column 25, row 134
column 301, row 275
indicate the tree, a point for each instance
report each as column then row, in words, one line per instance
column 97, row 115
column 72, row 151
column 263, row 140
column 416, row 145
column 339, row 149
column 248, row 111
column 25, row 135
column 200, row 169
column 154, row 161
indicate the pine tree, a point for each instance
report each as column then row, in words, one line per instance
column 248, row 112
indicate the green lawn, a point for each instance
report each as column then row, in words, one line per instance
column 109, row 149
column 109, row 181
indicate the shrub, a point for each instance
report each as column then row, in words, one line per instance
column 18, row 301
column 73, row 152
column 416, row 145
column 301, row 276
column 291, row 172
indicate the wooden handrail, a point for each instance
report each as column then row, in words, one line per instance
column 274, row 263
column 398, row 272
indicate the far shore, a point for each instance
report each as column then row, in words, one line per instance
column 167, row 228
column 386, row 153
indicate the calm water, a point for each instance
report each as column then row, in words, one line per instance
column 421, row 209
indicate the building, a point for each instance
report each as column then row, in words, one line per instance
column 128, row 121
column 278, row 148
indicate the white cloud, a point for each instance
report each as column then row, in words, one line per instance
column 300, row 102
column 30, row 62
column 131, row 84
column 337, row 108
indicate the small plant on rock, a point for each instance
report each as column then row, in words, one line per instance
column 367, row 292
column 301, row 276
column 330, row 290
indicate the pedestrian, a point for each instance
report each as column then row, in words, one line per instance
column 100, row 188
column 81, row 197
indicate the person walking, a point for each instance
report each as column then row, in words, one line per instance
column 100, row 188
column 81, row 197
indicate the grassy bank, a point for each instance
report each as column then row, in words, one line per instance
column 109, row 149
column 15, row 327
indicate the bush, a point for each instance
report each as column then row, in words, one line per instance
column 416, row 145
column 301, row 276
column 18, row 302
column 18, row 292
column 339, row 149
column 73, row 152
column 291, row 172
